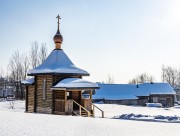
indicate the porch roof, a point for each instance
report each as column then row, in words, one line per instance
column 28, row 81
column 75, row 83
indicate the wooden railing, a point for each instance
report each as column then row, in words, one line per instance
column 94, row 106
column 81, row 107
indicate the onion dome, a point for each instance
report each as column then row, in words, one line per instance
column 58, row 39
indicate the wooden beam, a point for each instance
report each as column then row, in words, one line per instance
column 80, row 97
column 91, row 95
column 65, row 100
column 65, row 96
column 35, row 94
column 53, row 105
column 81, row 94
column 26, row 99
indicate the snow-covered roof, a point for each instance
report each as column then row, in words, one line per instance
column 58, row 63
column 131, row 91
column 115, row 92
column 154, row 88
column 28, row 81
column 75, row 83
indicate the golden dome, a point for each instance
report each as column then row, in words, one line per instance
column 58, row 37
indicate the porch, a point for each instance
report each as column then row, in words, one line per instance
column 73, row 103
column 69, row 97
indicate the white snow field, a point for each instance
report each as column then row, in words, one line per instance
column 111, row 110
column 14, row 122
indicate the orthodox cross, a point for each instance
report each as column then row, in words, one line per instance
column 58, row 17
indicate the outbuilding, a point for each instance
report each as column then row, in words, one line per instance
column 132, row 94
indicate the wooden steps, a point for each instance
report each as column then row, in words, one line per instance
column 84, row 113
column 75, row 113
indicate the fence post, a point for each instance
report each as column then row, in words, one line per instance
column 93, row 111
column 80, row 110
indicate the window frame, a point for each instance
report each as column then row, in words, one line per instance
column 44, row 89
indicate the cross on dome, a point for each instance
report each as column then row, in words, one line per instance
column 58, row 39
column 58, row 17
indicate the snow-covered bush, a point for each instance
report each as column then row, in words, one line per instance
column 153, row 104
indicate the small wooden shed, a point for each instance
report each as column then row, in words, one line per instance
column 57, row 86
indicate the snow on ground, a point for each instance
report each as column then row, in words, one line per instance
column 19, row 106
column 30, row 124
column 111, row 110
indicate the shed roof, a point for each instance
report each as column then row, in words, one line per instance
column 75, row 83
column 131, row 91
column 58, row 63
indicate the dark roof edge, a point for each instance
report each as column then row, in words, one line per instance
column 68, row 74
column 28, row 84
column 73, row 88
column 57, row 49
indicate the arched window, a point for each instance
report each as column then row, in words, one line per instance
column 44, row 89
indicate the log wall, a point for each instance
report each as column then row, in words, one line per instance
column 44, row 105
column 56, row 101
column 30, row 99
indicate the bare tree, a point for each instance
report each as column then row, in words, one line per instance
column 110, row 80
column 37, row 54
column 170, row 75
column 141, row 78
column 25, row 65
column 1, row 73
column 16, row 70
column 42, row 53
column 19, row 65
column 1, row 79
column 163, row 73
column 133, row 81
column 178, row 78
column 34, row 57
column 15, row 66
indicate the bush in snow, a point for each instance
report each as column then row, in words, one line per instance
column 153, row 104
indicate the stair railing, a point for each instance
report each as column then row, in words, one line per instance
column 94, row 106
column 88, row 112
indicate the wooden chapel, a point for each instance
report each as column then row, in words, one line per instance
column 57, row 86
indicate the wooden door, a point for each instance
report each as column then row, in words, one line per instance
column 168, row 102
column 59, row 102
column 76, row 96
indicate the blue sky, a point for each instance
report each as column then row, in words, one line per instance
column 121, row 38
